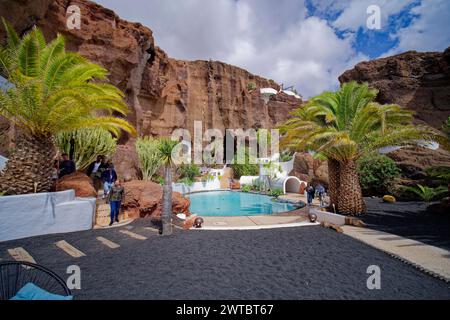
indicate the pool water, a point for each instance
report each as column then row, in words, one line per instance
column 229, row 203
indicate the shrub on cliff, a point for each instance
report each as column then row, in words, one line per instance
column 377, row 174
column 88, row 144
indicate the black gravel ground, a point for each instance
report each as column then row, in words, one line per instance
column 409, row 219
column 289, row 263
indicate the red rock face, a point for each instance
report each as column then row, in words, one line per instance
column 414, row 80
column 417, row 81
column 163, row 93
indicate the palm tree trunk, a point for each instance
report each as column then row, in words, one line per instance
column 334, row 182
column 350, row 196
column 29, row 169
column 166, row 213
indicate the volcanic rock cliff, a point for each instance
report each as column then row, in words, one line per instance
column 163, row 93
column 419, row 81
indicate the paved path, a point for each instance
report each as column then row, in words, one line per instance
column 431, row 259
column 134, row 262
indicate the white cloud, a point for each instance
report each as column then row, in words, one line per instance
column 277, row 39
column 430, row 31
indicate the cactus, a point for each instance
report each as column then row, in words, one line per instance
column 89, row 143
column 149, row 158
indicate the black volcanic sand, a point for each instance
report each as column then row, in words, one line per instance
column 289, row 263
column 409, row 219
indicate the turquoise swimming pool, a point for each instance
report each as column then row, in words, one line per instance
column 230, row 203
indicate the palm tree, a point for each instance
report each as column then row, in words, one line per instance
column 52, row 91
column 343, row 126
column 166, row 148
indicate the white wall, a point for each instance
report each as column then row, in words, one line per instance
column 197, row 186
column 44, row 213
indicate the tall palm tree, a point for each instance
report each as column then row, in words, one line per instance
column 343, row 126
column 52, row 91
column 166, row 148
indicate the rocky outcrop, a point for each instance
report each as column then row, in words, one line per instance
column 163, row 93
column 308, row 169
column 79, row 182
column 143, row 199
column 419, row 81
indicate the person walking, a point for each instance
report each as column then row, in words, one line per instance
column 115, row 198
column 95, row 171
column 109, row 176
column 66, row 166
column 320, row 191
column 310, row 191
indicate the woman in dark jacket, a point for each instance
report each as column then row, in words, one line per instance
column 109, row 176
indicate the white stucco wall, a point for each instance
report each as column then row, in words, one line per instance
column 197, row 186
column 44, row 213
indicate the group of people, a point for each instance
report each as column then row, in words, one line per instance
column 102, row 174
column 312, row 192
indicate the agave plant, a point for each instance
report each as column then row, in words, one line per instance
column 52, row 91
column 343, row 126
column 425, row 193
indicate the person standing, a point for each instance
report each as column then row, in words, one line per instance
column 95, row 170
column 310, row 191
column 320, row 191
column 115, row 198
column 109, row 176
column 66, row 166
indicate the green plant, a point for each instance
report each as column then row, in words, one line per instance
column 207, row 177
column 275, row 192
column 343, row 126
column 186, row 180
column 52, row 91
column 246, row 188
column 441, row 173
column 158, row 180
column 245, row 169
column 88, row 144
column 425, row 193
column 251, row 86
column 377, row 174
column 150, row 160
column 190, row 171
column 285, row 156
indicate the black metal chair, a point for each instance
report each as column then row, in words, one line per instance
column 15, row 274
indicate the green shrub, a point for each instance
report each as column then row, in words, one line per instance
column 246, row 188
column 149, row 157
column 377, row 174
column 245, row 169
column 158, row 180
column 285, row 156
column 427, row 194
column 189, row 171
column 208, row 177
column 88, row 143
column 251, row 86
column 186, row 180
column 441, row 173
column 275, row 192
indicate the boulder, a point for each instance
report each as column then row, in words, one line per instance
column 144, row 199
column 78, row 181
column 308, row 169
